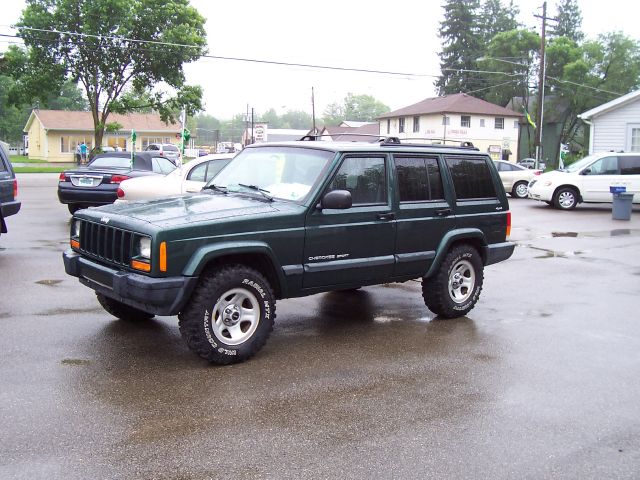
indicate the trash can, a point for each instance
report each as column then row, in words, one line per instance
column 622, row 203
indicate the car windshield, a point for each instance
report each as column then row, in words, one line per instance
column 111, row 162
column 580, row 164
column 286, row 173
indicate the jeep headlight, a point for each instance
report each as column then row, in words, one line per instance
column 75, row 228
column 144, row 248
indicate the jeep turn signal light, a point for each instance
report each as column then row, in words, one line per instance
column 508, row 224
column 138, row 265
column 163, row 256
column 75, row 244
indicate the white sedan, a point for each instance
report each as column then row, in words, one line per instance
column 515, row 178
column 190, row 178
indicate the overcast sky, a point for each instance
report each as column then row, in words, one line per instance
column 399, row 36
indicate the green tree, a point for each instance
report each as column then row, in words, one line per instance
column 494, row 18
column 360, row 108
column 206, row 128
column 298, row 119
column 108, row 46
column 461, row 47
column 271, row 117
column 569, row 21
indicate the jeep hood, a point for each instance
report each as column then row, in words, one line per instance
column 185, row 209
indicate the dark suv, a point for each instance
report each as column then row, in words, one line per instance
column 9, row 205
column 294, row 219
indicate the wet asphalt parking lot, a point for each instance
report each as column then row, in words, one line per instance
column 540, row 380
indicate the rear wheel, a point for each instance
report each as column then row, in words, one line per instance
column 122, row 311
column 230, row 315
column 456, row 287
column 565, row 198
column 520, row 190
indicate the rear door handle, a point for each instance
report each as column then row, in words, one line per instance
column 443, row 212
column 386, row 216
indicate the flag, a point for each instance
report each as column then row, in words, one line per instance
column 529, row 119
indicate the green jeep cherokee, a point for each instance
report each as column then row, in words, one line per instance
column 293, row 219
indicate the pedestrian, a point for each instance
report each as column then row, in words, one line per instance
column 83, row 152
column 78, row 155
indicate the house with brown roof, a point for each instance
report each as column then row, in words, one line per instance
column 349, row 131
column 454, row 119
column 54, row 134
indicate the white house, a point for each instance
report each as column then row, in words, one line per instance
column 457, row 118
column 615, row 125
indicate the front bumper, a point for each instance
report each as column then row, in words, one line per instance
column 160, row 296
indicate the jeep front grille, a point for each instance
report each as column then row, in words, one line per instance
column 106, row 243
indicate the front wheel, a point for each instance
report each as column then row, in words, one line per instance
column 122, row 311
column 456, row 287
column 565, row 198
column 230, row 315
column 520, row 190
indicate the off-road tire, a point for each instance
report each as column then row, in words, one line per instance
column 441, row 292
column 565, row 198
column 517, row 190
column 122, row 311
column 219, row 323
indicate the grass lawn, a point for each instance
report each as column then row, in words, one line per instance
column 23, row 159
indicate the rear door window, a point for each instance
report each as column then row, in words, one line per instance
column 471, row 177
column 629, row 165
column 418, row 179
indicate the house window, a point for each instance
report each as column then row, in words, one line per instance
column 446, row 120
column 465, row 121
column 416, row 124
column 482, row 123
column 68, row 143
column 388, row 126
column 499, row 125
column 515, row 124
column 148, row 140
column 401, row 125
column 635, row 140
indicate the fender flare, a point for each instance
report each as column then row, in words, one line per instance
column 452, row 237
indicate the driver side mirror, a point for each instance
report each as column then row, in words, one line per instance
column 586, row 171
column 336, row 200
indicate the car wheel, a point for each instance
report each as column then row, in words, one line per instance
column 565, row 198
column 456, row 287
column 122, row 311
column 520, row 190
column 230, row 315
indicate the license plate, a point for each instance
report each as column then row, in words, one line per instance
column 85, row 182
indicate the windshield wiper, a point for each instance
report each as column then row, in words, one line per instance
column 217, row 188
column 261, row 191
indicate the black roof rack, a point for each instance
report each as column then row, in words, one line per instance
column 388, row 141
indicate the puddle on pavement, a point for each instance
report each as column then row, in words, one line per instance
column 49, row 282
column 75, row 362
column 618, row 232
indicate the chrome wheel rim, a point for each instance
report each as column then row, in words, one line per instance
column 462, row 280
column 235, row 317
column 566, row 199
column 522, row 190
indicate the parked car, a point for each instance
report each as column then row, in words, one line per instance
column 588, row 180
column 190, row 178
column 96, row 183
column 291, row 219
column 9, row 204
column 531, row 163
column 168, row 150
column 515, row 178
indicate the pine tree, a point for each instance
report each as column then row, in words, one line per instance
column 461, row 46
column 569, row 21
column 495, row 18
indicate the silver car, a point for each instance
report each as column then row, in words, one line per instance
column 167, row 150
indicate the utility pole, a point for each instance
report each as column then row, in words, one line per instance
column 540, row 113
column 313, row 110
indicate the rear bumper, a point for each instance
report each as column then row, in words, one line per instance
column 497, row 252
column 10, row 208
column 160, row 296
column 90, row 197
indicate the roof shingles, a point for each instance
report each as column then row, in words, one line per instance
column 73, row 120
column 458, row 103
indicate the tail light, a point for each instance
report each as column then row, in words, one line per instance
column 120, row 193
column 508, row 224
column 118, row 178
column 62, row 177
column 537, row 172
column 15, row 188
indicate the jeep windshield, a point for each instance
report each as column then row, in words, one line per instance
column 286, row 173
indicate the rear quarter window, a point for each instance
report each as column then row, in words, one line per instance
column 471, row 177
column 629, row 165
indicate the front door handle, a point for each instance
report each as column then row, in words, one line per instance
column 385, row 216
column 443, row 212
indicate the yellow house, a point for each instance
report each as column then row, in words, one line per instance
column 54, row 134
